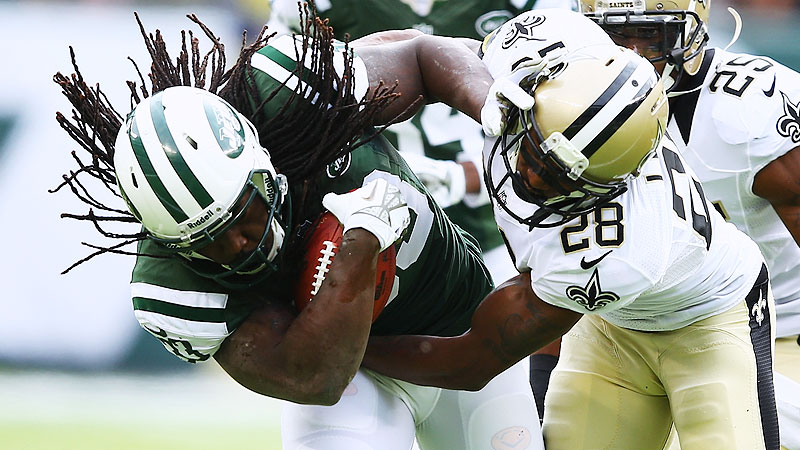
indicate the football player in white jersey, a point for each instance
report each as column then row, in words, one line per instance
column 672, row 312
column 735, row 119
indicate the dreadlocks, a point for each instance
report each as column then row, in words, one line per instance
column 302, row 137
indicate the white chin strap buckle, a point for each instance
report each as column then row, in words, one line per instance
column 567, row 153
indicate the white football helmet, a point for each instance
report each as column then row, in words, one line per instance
column 676, row 30
column 188, row 165
column 596, row 119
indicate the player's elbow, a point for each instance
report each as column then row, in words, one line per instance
column 321, row 392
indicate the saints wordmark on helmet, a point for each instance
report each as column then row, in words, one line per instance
column 591, row 296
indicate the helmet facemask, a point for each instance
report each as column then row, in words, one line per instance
column 559, row 164
column 263, row 261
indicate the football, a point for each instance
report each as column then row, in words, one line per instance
column 320, row 250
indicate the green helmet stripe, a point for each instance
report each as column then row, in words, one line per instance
column 186, row 175
column 151, row 176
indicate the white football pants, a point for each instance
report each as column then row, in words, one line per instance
column 381, row 413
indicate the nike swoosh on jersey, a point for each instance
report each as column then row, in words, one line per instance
column 589, row 264
column 772, row 88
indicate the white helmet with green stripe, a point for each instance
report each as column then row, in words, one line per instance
column 187, row 162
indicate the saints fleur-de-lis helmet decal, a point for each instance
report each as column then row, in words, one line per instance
column 591, row 296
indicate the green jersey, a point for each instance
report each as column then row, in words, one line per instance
column 440, row 277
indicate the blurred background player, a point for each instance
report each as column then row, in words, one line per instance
column 609, row 229
column 735, row 118
column 441, row 145
column 224, row 230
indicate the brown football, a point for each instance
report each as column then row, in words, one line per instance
column 320, row 250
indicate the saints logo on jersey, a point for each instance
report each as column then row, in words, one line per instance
column 789, row 124
column 523, row 30
column 591, row 296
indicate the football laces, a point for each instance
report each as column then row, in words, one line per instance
column 326, row 258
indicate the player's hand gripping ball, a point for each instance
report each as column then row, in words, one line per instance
column 321, row 248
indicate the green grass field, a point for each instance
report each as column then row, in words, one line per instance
column 194, row 410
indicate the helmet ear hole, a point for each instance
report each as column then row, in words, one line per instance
column 191, row 142
column 610, row 62
column 133, row 180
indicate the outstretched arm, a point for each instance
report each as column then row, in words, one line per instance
column 437, row 68
column 510, row 324
column 779, row 183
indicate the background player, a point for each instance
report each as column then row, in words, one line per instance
column 734, row 118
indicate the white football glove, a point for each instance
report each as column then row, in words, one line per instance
column 377, row 207
column 445, row 180
column 509, row 91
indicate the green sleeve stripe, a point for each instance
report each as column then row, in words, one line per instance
column 152, row 178
column 186, row 175
column 179, row 311
column 287, row 63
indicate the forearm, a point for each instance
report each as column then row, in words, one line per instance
column 385, row 37
column 454, row 74
column 449, row 363
column 427, row 69
column 319, row 352
column 510, row 324
column 779, row 184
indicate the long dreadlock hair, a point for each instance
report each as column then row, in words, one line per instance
column 302, row 137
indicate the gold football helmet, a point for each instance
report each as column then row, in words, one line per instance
column 674, row 31
column 595, row 121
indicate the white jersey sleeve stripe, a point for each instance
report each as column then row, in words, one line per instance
column 182, row 298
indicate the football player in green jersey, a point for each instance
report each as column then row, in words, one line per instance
column 226, row 181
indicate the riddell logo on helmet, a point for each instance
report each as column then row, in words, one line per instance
column 203, row 219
